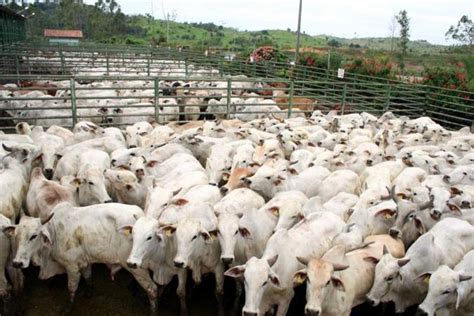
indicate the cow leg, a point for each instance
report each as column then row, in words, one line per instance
column 87, row 273
column 181, row 291
column 284, row 303
column 73, row 279
column 145, row 281
column 219, row 275
column 17, row 278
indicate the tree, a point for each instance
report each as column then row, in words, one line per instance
column 404, row 22
column 463, row 32
column 392, row 28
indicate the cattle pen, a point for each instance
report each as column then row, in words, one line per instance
column 151, row 167
column 138, row 72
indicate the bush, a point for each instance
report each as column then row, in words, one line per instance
column 376, row 66
column 448, row 78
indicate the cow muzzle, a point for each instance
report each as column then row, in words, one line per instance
column 132, row 265
column 311, row 312
column 179, row 264
column 227, row 260
column 48, row 173
column 17, row 264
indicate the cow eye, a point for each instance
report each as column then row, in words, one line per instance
column 328, row 282
column 268, row 178
column 389, row 279
column 236, row 232
column 149, row 238
column 91, row 183
column 194, row 237
column 464, row 173
column 264, row 283
column 372, row 203
column 415, row 194
column 33, row 237
column 132, row 154
column 447, row 292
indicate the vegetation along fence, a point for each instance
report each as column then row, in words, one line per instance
column 146, row 67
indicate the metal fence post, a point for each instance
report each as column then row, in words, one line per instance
column 344, row 93
column 290, row 98
column 157, row 99
column 107, row 61
column 148, row 66
column 62, row 63
column 387, row 100
column 17, row 65
column 73, row 102
column 229, row 94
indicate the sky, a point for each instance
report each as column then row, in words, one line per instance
column 430, row 19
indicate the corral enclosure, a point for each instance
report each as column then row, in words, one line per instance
column 117, row 86
column 110, row 77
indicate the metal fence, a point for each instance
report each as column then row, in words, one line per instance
column 76, row 65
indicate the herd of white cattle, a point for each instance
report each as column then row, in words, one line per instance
column 358, row 207
column 122, row 103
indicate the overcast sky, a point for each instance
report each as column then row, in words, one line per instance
column 430, row 19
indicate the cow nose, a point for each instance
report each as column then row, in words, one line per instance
column 227, row 260
column 108, row 201
column 110, row 120
column 371, row 301
column 311, row 312
column 48, row 173
column 465, row 204
column 113, row 162
column 447, row 179
column 224, row 190
column 421, row 312
column 247, row 181
column 179, row 264
column 435, row 214
column 249, row 314
column 369, row 162
column 132, row 146
column 17, row 264
column 394, row 232
column 132, row 265
column 319, row 143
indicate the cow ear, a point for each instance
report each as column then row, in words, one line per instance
column 244, row 232
column 274, row 278
column 235, row 272
column 425, row 277
column 39, row 157
column 126, row 229
column 302, row 260
column 461, row 296
column 207, row 237
column 151, row 163
column 46, row 238
column 77, row 182
column 168, row 230
column 386, row 213
column 372, row 260
column 419, row 225
column 9, row 231
column 271, row 261
column 300, row 277
column 454, row 209
column 338, row 284
column 181, row 202
column 275, row 210
column 455, row 191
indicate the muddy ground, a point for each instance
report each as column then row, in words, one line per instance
column 124, row 297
